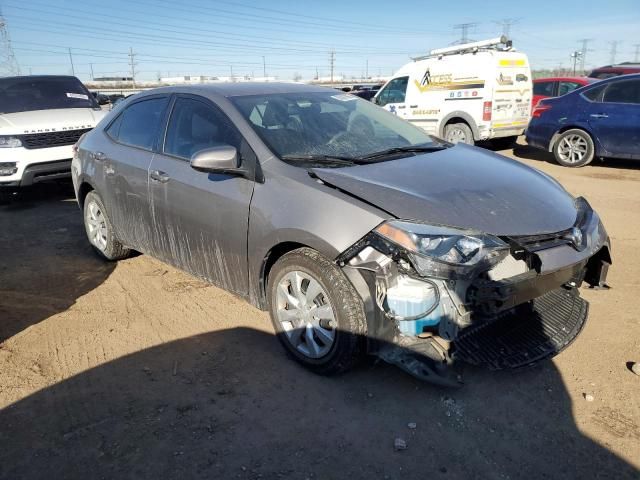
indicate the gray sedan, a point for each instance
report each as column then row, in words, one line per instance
column 360, row 233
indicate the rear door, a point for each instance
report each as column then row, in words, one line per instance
column 615, row 118
column 512, row 95
column 201, row 219
column 124, row 164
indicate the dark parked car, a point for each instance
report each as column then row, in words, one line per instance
column 599, row 120
column 101, row 98
column 608, row 71
column 358, row 232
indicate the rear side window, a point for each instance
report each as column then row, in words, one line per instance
column 594, row 94
column 544, row 88
column 394, row 92
column 623, row 92
column 566, row 87
column 138, row 124
column 196, row 126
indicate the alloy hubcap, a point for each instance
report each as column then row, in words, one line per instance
column 305, row 314
column 572, row 148
column 456, row 135
column 96, row 226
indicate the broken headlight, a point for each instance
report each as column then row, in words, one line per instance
column 444, row 252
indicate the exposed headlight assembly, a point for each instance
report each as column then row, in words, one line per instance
column 8, row 141
column 444, row 252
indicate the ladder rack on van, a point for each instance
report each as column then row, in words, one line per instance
column 472, row 47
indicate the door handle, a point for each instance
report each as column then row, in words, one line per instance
column 159, row 176
column 98, row 156
column 599, row 115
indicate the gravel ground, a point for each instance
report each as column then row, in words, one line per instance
column 137, row 370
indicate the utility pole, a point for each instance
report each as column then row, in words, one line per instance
column 636, row 56
column 91, row 67
column 614, row 51
column 575, row 56
column 332, row 61
column 264, row 67
column 132, row 64
column 584, row 49
column 8, row 63
column 73, row 70
column 464, row 31
column 506, row 24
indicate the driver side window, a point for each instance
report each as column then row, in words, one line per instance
column 394, row 92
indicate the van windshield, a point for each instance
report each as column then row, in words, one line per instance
column 24, row 94
column 333, row 125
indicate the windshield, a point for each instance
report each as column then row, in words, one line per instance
column 24, row 94
column 327, row 124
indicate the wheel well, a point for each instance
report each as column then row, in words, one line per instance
column 83, row 191
column 270, row 259
column 554, row 139
column 457, row 120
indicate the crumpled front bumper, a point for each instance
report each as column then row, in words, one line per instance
column 502, row 322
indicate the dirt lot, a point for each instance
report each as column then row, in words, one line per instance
column 136, row 370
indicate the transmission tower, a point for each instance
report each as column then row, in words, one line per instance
column 332, row 61
column 506, row 24
column 8, row 63
column 584, row 49
column 464, row 31
column 636, row 56
column 614, row 51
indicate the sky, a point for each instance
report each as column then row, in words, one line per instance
column 291, row 38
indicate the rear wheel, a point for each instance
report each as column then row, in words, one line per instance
column 574, row 148
column 316, row 312
column 458, row 133
column 100, row 231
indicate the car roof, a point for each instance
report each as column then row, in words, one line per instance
column 38, row 77
column 566, row 79
column 237, row 89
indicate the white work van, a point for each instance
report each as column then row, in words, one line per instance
column 465, row 93
column 41, row 118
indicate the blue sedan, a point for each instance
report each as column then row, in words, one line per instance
column 598, row 120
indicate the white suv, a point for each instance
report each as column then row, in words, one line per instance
column 41, row 118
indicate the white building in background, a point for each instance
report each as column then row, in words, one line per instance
column 196, row 79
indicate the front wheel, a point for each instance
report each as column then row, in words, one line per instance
column 458, row 133
column 574, row 148
column 100, row 231
column 316, row 312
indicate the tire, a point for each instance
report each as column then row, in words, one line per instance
column 458, row 133
column 503, row 143
column 337, row 309
column 583, row 149
column 99, row 229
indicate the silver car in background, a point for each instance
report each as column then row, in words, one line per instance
column 358, row 232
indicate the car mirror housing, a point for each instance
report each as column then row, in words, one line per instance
column 220, row 159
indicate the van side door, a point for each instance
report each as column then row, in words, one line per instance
column 201, row 219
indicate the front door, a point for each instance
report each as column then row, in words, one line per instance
column 392, row 96
column 201, row 219
column 616, row 119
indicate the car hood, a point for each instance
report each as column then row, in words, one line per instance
column 461, row 186
column 49, row 120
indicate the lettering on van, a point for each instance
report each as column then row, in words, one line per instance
column 504, row 79
column 63, row 129
column 446, row 82
column 425, row 112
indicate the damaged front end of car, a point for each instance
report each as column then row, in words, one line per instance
column 437, row 296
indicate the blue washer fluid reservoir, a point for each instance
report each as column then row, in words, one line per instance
column 411, row 297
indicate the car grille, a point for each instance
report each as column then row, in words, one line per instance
column 51, row 139
column 534, row 243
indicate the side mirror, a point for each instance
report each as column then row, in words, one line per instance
column 374, row 99
column 222, row 159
